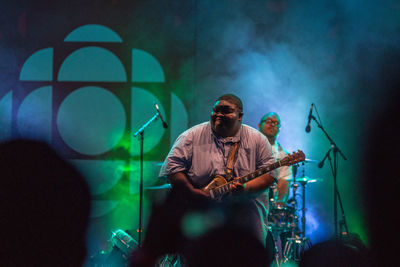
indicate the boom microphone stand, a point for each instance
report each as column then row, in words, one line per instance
column 140, row 133
column 336, row 196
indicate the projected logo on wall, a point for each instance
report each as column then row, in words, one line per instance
column 87, row 97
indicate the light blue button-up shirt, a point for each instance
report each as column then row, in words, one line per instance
column 201, row 155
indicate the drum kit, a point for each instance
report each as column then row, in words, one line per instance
column 284, row 232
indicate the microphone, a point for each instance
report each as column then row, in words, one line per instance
column 165, row 125
column 308, row 127
column 321, row 164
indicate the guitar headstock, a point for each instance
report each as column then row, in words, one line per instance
column 294, row 158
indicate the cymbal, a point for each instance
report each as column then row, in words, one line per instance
column 164, row 186
column 305, row 180
column 311, row 161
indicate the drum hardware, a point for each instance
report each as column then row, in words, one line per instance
column 294, row 247
column 298, row 242
column 168, row 260
column 281, row 217
column 311, row 161
column 271, row 243
column 284, row 221
column 123, row 241
column 158, row 187
column 305, row 179
column 123, row 245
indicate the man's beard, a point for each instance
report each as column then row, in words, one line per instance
column 225, row 126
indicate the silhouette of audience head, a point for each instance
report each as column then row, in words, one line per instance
column 45, row 206
column 205, row 242
column 228, row 245
column 334, row 253
column 164, row 233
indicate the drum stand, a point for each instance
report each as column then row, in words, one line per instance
column 276, row 260
column 298, row 242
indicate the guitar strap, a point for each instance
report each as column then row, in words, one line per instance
column 231, row 159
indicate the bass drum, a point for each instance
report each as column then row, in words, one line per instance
column 281, row 217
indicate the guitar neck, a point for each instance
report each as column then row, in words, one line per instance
column 259, row 172
column 287, row 161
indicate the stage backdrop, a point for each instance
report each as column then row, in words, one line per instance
column 84, row 76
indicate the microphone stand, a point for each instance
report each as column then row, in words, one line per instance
column 336, row 195
column 140, row 133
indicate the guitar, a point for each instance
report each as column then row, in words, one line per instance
column 219, row 186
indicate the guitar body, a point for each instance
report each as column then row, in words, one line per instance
column 216, row 182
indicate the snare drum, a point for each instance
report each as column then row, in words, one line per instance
column 281, row 216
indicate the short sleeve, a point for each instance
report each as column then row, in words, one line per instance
column 179, row 157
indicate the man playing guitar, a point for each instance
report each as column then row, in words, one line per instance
column 205, row 151
column 224, row 158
